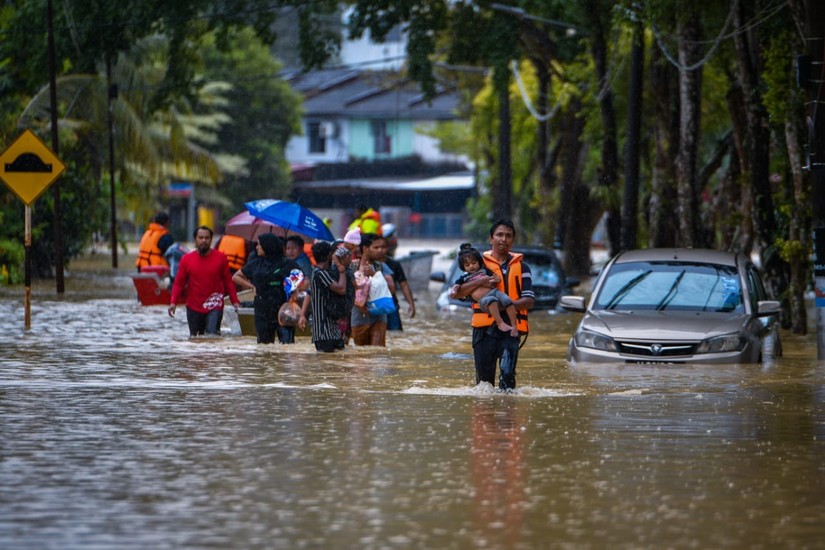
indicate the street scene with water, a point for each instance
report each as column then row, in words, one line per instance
column 119, row 431
column 644, row 180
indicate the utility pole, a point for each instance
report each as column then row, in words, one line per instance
column 58, row 216
column 112, row 203
column 814, row 83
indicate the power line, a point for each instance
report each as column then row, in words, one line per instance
column 702, row 61
column 757, row 20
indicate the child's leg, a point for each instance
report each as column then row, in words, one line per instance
column 494, row 310
column 511, row 313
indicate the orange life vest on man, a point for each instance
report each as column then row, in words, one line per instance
column 149, row 253
column 234, row 248
column 511, row 285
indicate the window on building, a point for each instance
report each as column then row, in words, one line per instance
column 317, row 143
column 381, row 138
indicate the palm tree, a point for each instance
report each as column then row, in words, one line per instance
column 153, row 146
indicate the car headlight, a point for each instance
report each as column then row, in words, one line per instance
column 587, row 339
column 719, row 344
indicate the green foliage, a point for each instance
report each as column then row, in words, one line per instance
column 424, row 20
column 263, row 112
column 792, row 251
column 12, row 255
column 83, row 212
column 166, row 101
column 318, row 41
column 781, row 93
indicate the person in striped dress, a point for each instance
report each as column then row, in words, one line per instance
column 325, row 332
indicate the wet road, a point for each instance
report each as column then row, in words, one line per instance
column 117, row 431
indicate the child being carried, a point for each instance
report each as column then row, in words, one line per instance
column 490, row 300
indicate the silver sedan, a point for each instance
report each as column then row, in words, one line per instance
column 676, row 306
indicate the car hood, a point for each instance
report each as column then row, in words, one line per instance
column 662, row 325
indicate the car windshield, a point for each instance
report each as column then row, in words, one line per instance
column 671, row 286
column 543, row 271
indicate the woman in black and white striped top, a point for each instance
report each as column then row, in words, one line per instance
column 325, row 333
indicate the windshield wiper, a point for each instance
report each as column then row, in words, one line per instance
column 670, row 293
column 628, row 286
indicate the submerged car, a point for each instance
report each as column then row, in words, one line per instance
column 549, row 279
column 676, row 306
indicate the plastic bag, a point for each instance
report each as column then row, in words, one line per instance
column 362, row 289
column 289, row 313
column 380, row 300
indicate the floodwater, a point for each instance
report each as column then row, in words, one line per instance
column 117, row 431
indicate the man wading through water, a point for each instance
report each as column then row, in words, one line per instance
column 204, row 273
column 491, row 345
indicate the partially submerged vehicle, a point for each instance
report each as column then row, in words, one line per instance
column 676, row 306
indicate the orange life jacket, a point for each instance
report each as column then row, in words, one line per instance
column 308, row 252
column 511, row 285
column 234, row 248
column 149, row 253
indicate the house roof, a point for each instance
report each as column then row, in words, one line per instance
column 446, row 182
column 356, row 93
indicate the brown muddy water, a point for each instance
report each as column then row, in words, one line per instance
column 117, row 431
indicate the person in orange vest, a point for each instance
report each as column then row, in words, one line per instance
column 156, row 239
column 236, row 250
column 512, row 276
column 367, row 219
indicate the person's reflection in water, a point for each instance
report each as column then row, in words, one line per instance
column 498, row 470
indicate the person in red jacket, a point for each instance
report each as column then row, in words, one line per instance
column 204, row 273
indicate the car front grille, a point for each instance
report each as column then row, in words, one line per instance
column 657, row 349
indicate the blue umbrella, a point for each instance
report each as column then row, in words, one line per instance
column 290, row 216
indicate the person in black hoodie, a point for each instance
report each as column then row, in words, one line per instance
column 267, row 272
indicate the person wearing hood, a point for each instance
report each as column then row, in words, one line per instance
column 271, row 275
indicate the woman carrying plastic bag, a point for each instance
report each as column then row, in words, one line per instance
column 369, row 321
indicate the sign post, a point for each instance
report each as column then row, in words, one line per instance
column 28, row 167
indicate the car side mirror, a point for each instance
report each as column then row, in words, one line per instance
column 766, row 308
column 438, row 276
column 572, row 303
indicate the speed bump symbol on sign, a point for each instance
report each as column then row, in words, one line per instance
column 28, row 167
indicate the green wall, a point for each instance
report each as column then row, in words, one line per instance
column 361, row 143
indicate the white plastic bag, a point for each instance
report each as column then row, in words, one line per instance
column 380, row 299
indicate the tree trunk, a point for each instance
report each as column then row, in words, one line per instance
column 665, row 105
column 719, row 209
column 690, row 98
column 608, row 173
column 576, row 206
column 799, row 229
column 758, row 152
column 545, row 160
column 742, row 234
column 730, row 200
column 630, row 207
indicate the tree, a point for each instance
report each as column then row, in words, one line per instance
column 784, row 101
column 263, row 112
column 93, row 35
column 630, row 205
column 596, row 14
